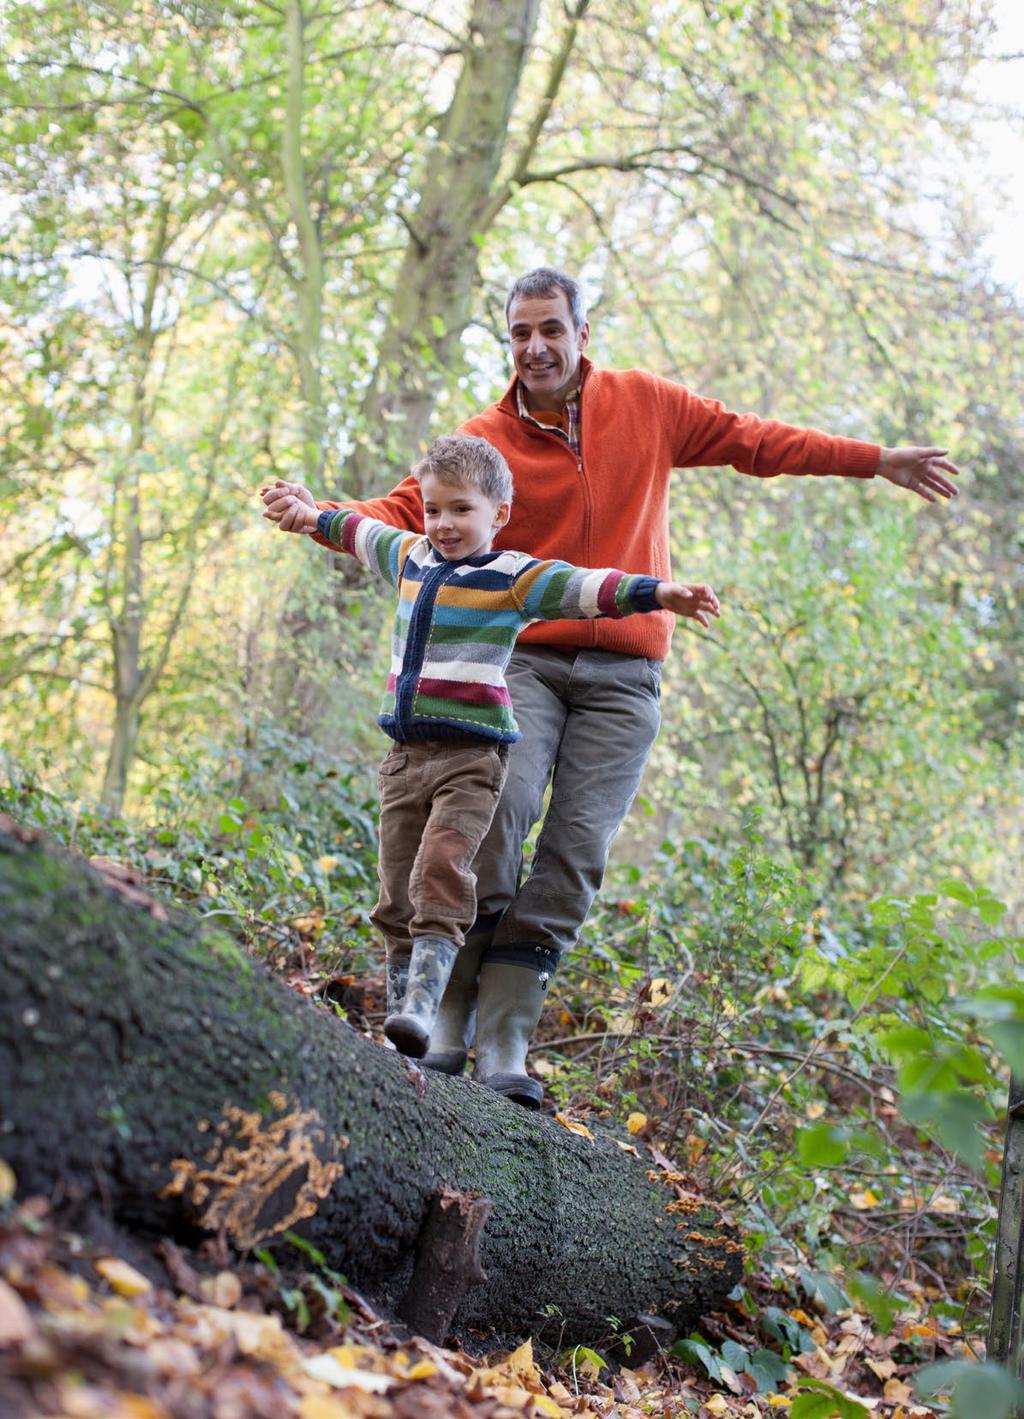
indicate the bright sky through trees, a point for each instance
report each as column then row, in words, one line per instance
column 1002, row 82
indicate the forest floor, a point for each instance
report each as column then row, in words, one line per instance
column 84, row 1334
column 88, row 1333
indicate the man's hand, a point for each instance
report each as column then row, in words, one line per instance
column 696, row 601
column 922, row 470
column 291, row 506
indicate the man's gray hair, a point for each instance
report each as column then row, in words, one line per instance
column 545, row 281
column 464, row 458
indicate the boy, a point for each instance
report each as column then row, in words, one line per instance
column 446, row 705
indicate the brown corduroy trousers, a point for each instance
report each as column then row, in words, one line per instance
column 437, row 799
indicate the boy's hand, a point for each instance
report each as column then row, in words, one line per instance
column 694, row 600
column 291, row 506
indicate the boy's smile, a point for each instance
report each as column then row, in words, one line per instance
column 460, row 520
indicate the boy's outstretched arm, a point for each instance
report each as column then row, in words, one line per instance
column 380, row 548
column 559, row 591
column 401, row 508
column 695, row 600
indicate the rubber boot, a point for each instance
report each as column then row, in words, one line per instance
column 396, row 977
column 453, row 1033
column 429, row 968
column 510, row 1000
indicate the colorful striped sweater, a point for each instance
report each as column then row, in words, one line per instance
column 457, row 623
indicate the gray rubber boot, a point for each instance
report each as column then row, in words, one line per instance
column 453, row 1033
column 396, row 976
column 429, row 968
column 510, row 1000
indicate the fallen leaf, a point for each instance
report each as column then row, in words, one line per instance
column 311, row 924
column 224, row 1289
column 573, row 1127
column 326, row 1368
column 263, row 1337
column 183, row 1277
column 716, row 1404
column 660, row 991
column 8, row 1182
column 521, row 1362
column 16, row 1323
column 323, row 1406
column 172, row 1357
column 626, row 1389
column 897, row 1391
column 863, row 1199
column 884, row 1369
column 360, row 1357
column 816, row 1363
column 542, row 1404
column 730, row 1378
column 137, row 1406
column 925, row 1330
column 512, row 1397
column 627, row 1147
column 422, row 1370
column 944, row 1204
column 122, row 1278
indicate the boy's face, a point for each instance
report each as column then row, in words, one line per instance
column 459, row 519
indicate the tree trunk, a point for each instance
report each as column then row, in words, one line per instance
column 308, row 284
column 126, row 623
column 1005, row 1323
column 419, row 350
column 160, row 1075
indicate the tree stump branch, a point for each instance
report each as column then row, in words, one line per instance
column 447, row 1263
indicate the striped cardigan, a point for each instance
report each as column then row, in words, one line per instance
column 457, row 623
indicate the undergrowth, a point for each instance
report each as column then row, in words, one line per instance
column 836, row 1076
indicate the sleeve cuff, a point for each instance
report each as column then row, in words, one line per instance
column 323, row 523
column 860, row 460
column 642, row 593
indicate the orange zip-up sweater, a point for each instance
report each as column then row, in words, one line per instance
column 609, row 507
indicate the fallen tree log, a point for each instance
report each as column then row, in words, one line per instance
column 159, row 1074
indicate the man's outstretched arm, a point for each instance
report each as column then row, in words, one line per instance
column 707, row 434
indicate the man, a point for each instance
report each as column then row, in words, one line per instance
column 591, row 452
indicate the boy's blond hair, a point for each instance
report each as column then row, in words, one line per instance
column 464, row 458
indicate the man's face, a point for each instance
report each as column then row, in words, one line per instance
column 546, row 347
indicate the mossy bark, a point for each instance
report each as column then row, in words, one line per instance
column 169, row 1080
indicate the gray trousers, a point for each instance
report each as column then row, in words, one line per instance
column 589, row 719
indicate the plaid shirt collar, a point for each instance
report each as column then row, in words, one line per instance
column 572, row 410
